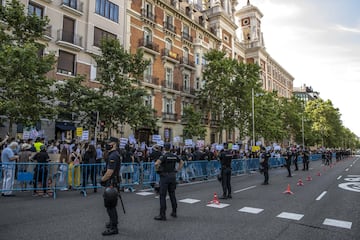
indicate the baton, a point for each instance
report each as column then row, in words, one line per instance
column 122, row 203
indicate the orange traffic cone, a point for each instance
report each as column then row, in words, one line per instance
column 309, row 178
column 215, row 200
column 288, row 191
column 319, row 173
column 300, row 182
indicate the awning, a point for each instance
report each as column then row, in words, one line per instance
column 65, row 126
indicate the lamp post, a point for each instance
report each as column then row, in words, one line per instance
column 253, row 115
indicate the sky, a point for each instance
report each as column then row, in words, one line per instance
column 318, row 43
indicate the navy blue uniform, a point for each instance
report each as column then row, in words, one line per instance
column 225, row 161
column 168, row 181
column 113, row 163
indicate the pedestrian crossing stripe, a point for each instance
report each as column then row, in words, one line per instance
column 291, row 216
column 189, row 200
column 144, row 193
column 337, row 223
column 220, row 205
column 251, row 210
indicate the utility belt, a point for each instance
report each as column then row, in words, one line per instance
column 167, row 173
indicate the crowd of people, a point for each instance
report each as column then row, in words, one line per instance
column 71, row 154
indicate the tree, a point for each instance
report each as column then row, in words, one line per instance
column 193, row 127
column 226, row 94
column 24, row 86
column 122, row 98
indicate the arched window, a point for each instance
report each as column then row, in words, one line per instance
column 186, row 55
column 147, row 36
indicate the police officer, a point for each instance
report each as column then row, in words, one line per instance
column 110, row 181
column 165, row 166
column 265, row 163
column 306, row 159
column 288, row 157
column 225, row 162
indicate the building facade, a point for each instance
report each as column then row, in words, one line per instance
column 174, row 36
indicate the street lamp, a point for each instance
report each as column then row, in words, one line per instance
column 253, row 115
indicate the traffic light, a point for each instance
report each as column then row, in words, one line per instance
column 102, row 126
column 93, row 118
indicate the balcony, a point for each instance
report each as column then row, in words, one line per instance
column 169, row 55
column 185, row 62
column 69, row 40
column 149, row 46
column 185, row 37
column 73, row 6
column 170, row 29
column 151, row 79
column 205, row 121
column 170, row 85
column 148, row 17
column 169, row 116
column 48, row 33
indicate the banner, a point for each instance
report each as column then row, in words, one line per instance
column 85, row 135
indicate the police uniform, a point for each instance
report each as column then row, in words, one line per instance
column 111, row 191
column 166, row 169
column 265, row 164
column 288, row 162
column 225, row 161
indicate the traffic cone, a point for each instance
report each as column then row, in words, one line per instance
column 319, row 173
column 309, row 178
column 288, row 191
column 300, row 182
column 215, row 200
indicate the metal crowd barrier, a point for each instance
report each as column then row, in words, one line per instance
column 41, row 178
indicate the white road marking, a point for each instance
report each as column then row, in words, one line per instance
column 144, row 193
column 339, row 177
column 292, row 216
column 351, row 186
column 189, row 200
column 251, row 210
column 220, row 205
column 337, row 223
column 346, row 170
column 321, row 195
column 244, row 189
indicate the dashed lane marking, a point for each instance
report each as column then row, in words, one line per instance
column 346, row 170
column 337, row 223
column 251, row 210
column 220, row 205
column 244, row 189
column 144, row 193
column 291, row 216
column 339, row 177
column 189, row 200
column 321, row 195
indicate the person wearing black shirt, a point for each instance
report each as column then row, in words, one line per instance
column 225, row 161
column 165, row 166
column 110, row 181
column 41, row 171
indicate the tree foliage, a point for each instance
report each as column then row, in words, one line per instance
column 24, row 86
column 193, row 127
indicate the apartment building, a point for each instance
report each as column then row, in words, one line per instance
column 173, row 34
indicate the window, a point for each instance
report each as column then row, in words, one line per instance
column 168, row 44
column 168, row 105
column 186, row 82
column 148, row 9
column 186, row 30
column 148, row 73
column 186, row 55
column 70, row 3
column 147, row 36
column 197, row 83
column 35, row 9
column 107, row 9
column 148, row 101
column 68, row 33
column 203, row 60
column 99, row 34
column 197, row 58
column 66, row 63
column 169, row 77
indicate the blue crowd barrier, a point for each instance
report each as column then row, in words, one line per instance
column 52, row 177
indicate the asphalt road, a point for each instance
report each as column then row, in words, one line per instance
column 318, row 210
